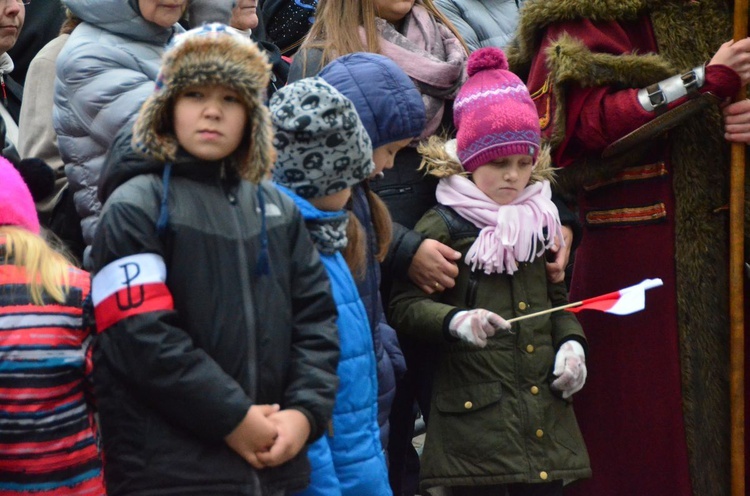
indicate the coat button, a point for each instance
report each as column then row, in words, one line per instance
column 530, row 348
column 534, row 390
column 539, row 433
column 543, row 475
column 522, row 305
column 468, row 405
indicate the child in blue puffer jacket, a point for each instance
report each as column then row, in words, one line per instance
column 323, row 151
column 392, row 112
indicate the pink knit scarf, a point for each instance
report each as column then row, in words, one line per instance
column 509, row 233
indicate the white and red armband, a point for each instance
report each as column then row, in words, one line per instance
column 130, row 286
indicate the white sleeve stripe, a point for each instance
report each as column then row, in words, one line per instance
column 133, row 270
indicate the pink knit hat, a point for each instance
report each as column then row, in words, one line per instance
column 493, row 112
column 16, row 205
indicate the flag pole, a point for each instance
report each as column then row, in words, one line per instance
column 614, row 299
column 736, row 288
column 543, row 312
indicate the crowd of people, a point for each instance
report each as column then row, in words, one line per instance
column 246, row 244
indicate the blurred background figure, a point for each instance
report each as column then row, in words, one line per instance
column 37, row 141
column 104, row 73
column 482, row 23
column 12, row 15
column 245, row 18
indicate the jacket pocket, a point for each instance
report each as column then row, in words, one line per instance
column 467, row 399
column 469, row 421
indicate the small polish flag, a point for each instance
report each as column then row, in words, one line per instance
column 623, row 302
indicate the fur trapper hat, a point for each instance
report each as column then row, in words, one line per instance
column 213, row 54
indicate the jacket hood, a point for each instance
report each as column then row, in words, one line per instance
column 122, row 17
column 386, row 99
column 6, row 64
column 123, row 163
column 308, row 210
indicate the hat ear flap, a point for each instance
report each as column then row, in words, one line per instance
column 261, row 156
column 149, row 136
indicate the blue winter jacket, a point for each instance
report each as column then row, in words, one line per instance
column 391, row 109
column 390, row 360
column 349, row 459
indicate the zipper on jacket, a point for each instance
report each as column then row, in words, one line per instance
column 400, row 190
column 471, row 290
column 244, row 264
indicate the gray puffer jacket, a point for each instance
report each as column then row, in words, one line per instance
column 104, row 73
column 482, row 23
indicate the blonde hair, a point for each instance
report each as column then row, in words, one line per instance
column 47, row 270
column 439, row 160
column 336, row 28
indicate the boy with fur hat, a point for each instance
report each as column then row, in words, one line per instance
column 216, row 361
column 323, row 151
column 499, row 420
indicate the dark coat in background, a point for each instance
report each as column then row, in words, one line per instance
column 655, row 410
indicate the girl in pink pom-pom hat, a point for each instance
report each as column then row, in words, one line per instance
column 501, row 418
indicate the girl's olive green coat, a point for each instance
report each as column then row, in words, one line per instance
column 494, row 418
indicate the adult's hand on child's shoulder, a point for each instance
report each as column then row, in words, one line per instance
column 294, row 429
column 434, row 268
column 256, row 433
column 556, row 267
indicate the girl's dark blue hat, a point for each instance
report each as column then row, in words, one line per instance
column 386, row 99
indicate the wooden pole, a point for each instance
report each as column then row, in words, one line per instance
column 736, row 288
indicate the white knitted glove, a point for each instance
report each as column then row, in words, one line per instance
column 475, row 326
column 570, row 368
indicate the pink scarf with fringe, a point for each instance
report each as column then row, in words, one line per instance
column 509, row 233
column 430, row 54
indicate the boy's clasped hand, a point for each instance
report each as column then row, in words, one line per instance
column 268, row 436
